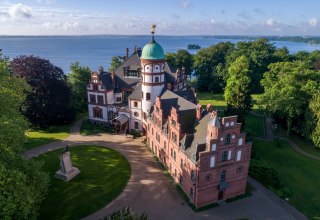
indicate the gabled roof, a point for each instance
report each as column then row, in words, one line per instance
column 106, row 79
column 137, row 92
column 188, row 95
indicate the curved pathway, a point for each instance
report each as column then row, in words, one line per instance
column 270, row 137
column 150, row 191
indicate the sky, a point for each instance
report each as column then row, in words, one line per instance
column 172, row 17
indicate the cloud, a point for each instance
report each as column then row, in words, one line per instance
column 20, row 11
column 185, row 4
column 174, row 15
column 46, row 1
column 270, row 22
column 313, row 22
column 258, row 10
column 244, row 15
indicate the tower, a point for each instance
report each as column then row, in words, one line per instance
column 152, row 72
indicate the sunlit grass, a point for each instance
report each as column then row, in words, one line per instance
column 104, row 174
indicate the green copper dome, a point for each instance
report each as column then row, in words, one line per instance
column 152, row 51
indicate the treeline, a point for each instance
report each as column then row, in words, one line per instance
column 33, row 93
column 289, row 84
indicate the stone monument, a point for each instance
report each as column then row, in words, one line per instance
column 67, row 171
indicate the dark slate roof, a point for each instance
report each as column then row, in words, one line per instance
column 187, row 110
column 188, row 95
column 106, row 79
column 137, row 93
column 170, row 73
column 199, row 141
column 133, row 62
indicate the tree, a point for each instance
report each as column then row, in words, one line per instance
column 289, row 87
column 314, row 106
column 260, row 54
column 115, row 63
column 210, row 66
column 78, row 79
column 22, row 183
column 180, row 59
column 237, row 92
column 126, row 214
column 49, row 100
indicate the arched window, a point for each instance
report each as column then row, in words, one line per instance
column 148, row 96
column 228, row 138
column 156, row 79
column 224, row 155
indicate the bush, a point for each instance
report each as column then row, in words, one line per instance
column 126, row 214
column 88, row 128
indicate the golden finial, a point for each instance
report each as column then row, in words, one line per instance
column 153, row 28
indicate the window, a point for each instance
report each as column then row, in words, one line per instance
column 192, row 176
column 136, row 125
column 95, row 87
column 240, row 142
column 135, row 104
column 152, row 131
column 136, row 114
column 212, row 161
column 97, row 112
column 171, row 152
column 174, row 156
column 231, row 123
column 224, row 155
column 223, row 176
column 181, row 164
column 92, row 99
column 173, row 137
column 157, row 137
column 156, row 79
column 148, row 96
column 111, row 115
column 181, row 180
column 170, row 168
column 118, row 99
column 213, row 147
column 132, row 73
column 165, row 145
column 227, row 124
column 191, row 192
column 100, row 99
column 173, row 122
column 239, row 155
column 228, row 138
column 229, row 155
column 175, row 172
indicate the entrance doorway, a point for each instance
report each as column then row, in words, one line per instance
column 220, row 195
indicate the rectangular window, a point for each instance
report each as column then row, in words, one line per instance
column 239, row 155
column 156, row 79
column 118, row 99
column 229, row 155
column 157, row 137
column 92, row 98
column 240, row 142
column 135, row 104
column 97, row 113
column 136, row 125
column 223, row 176
column 213, row 147
column 165, row 145
column 173, row 137
column 212, row 161
column 100, row 99
column 148, row 96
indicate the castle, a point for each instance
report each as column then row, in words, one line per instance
column 207, row 155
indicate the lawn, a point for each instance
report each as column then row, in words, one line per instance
column 256, row 124
column 104, row 174
column 38, row 137
column 298, row 173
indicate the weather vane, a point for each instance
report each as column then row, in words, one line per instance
column 153, row 29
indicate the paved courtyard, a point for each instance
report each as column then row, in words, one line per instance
column 150, row 191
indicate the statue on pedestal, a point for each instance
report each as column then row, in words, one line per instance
column 67, row 171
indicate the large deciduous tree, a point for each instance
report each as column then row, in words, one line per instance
column 314, row 106
column 49, row 100
column 210, row 66
column 79, row 78
column 22, row 183
column 114, row 64
column 289, row 87
column 237, row 91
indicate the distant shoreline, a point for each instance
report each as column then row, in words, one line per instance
column 297, row 39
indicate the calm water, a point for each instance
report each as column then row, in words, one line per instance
column 94, row 51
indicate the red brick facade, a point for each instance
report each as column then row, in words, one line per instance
column 218, row 171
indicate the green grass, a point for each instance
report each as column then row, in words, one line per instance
column 216, row 100
column 256, row 124
column 298, row 173
column 304, row 144
column 104, row 174
column 89, row 128
column 38, row 137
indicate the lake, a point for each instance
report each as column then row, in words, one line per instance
column 95, row 51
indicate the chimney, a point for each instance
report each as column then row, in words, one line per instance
column 199, row 112
column 127, row 53
column 113, row 78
